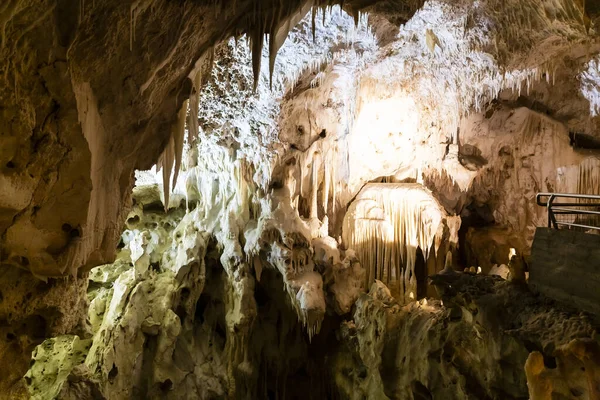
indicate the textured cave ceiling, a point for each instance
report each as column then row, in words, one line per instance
column 91, row 91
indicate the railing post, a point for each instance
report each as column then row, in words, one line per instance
column 549, row 207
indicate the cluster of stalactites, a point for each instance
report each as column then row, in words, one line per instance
column 173, row 153
column 319, row 165
column 170, row 160
column 276, row 18
column 283, row 18
column 385, row 226
column 589, row 183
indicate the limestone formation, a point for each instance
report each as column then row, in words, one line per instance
column 463, row 348
column 273, row 199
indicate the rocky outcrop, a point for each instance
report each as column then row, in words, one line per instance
column 574, row 375
column 176, row 316
column 30, row 311
column 157, row 327
column 473, row 344
column 518, row 153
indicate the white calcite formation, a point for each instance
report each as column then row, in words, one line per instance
column 409, row 111
column 386, row 224
column 590, row 82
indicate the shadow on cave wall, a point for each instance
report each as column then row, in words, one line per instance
column 290, row 366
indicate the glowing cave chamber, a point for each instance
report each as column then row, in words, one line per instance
column 300, row 199
column 389, row 226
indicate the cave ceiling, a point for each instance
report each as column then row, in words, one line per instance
column 91, row 91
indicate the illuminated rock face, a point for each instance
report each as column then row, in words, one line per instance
column 243, row 267
column 518, row 153
column 387, row 225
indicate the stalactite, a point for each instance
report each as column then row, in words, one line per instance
column 316, row 164
column 136, row 8
column 386, row 224
column 172, row 154
column 165, row 163
column 193, row 127
column 308, row 302
column 178, row 135
column 314, row 23
column 326, row 182
column 333, row 179
column 257, row 39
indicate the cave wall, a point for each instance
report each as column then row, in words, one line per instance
column 479, row 115
column 157, row 318
column 72, row 82
column 517, row 153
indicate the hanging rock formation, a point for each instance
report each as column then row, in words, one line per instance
column 389, row 224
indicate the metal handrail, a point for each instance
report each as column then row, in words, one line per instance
column 562, row 208
column 566, row 195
